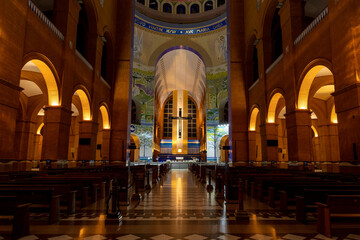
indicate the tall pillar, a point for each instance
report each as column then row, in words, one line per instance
column 345, row 58
column 329, row 143
column 298, row 124
column 121, row 104
column 24, row 144
column 57, row 121
column 269, row 139
column 252, row 146
column 87, row 140
column 238, row 101
column 11, row 59
column 105, row 146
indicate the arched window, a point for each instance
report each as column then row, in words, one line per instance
column 104, row 61
column 255, row 65
column 209, row 5
column 276, row 36
column 181, row 9
column 192, row 119
column 141, row 1
column 82, row 32
column 153, row 4
column 220, row 2
column 195, row 8
column 167, row 8
column 168, row 113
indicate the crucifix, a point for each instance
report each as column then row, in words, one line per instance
column 180, row 118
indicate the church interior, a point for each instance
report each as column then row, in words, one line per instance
column 180, row 119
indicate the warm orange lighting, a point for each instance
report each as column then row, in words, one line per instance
column 333, row 116
column 315, row 131
column 105, row 117
column 84, row 104
column 53, row 93
column 272, row 107
column 179, row 150
column 38, row 132
column 253, row 116
column 305, row 86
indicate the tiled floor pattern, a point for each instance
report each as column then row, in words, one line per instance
column 178, row 207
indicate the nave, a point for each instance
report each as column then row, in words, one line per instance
column 178, row 207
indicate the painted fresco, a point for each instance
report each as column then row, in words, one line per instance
column 145, row 134
column 214, row 135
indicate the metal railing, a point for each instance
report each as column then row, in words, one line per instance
column 41, row 15
column 312, row 25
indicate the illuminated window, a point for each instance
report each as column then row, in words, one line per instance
column 168, row 113
column 192, row 119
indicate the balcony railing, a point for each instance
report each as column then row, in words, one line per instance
column 276, row 62
column 312, row 25
column 41, row 15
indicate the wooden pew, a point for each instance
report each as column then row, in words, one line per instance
column 38, row 196
column 337, row 206
column 307, row 202
column 17, row 214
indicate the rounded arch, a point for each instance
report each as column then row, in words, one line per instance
column 276, row 96
column 166, row 7
column 194, row 8
column 208, row 5
column 181, row 9
column 154, row 4
column 307, row 78
column 105, row 116
column 252, row 69
column 316, row 134
column 176, row 43
column 85, row 102
column 107, row 58
column 38, row 131
column 253, row 116
column 333, row 115
column 49, row 73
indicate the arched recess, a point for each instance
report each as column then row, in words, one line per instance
column 194, row 8
column 180, row 9
column 208, row 5
column 85, row 104
column 41, row 64
column 167, row 7
column 81, row 112
column 315, row 92
column 103, row 136
column 154, row 4
column 254, row 137
column 272, row 35
column 135, row 149
column 87, row 31
column 272, row 107
column 224, row 154
column 107, row 59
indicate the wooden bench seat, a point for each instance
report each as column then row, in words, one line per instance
column 337, row 206
column 16, row 214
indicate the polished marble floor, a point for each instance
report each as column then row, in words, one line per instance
column 178, row 207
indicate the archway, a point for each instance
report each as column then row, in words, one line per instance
column 103, row 136
column 315, row 93
column 81, row 115
column 276, row 119
column 224, row 154
column 40, row 88
column 255, row 149
column 135, row 148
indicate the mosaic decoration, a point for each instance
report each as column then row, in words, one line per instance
column 145, row 134
column 179, row 31
column 221, row 47
column 214, row 135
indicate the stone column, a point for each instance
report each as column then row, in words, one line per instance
column 105, row 146
column 237, row 99
column 269, row 141
column 57, row 121
column 298, row 124
column 121, row 104
column 24, row 147
column 11, row 59
column 87, row 141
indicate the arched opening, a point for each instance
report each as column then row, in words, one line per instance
column 277, row 120
column 180, row 9
column 254, row 136
column 315, row 93
column 82, row 32
column 135, row 148
column 81, row 113
column 39, row 90
column 168, row 114
column 209, row 5
column 103, row 137
column 104, row 59
column 167, row 8
column 195, row 8
column 224, row 154
column 153, row 4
